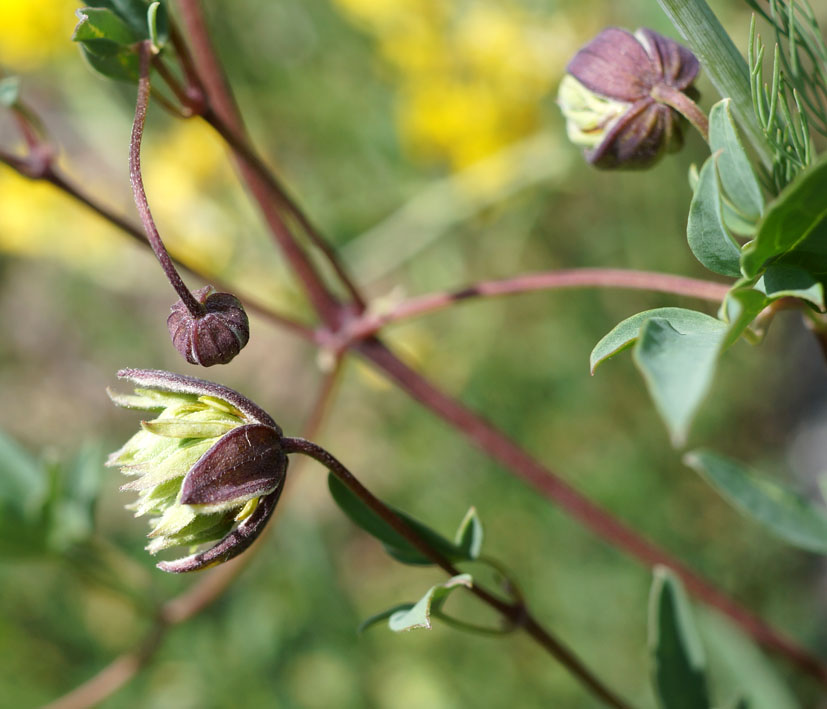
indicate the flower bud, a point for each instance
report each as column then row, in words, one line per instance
column 612, row 97
column 208, row 467
column 214, row 336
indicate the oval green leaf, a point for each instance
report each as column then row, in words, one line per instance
column 419, row 615
column 781, row 511
column 797, row 212
column 706, row 232
column 678, row 367
column 738, row 178
column 677, row 657
column 625, row 333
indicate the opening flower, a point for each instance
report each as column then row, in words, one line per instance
column 624, row 95
column 208, row 467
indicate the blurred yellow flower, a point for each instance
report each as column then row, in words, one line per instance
column 471, row 76
column 34, row 31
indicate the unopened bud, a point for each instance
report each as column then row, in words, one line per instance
column 214, row 336
column 209, row 466
column 613, row 97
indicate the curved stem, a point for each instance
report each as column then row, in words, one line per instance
column 542, row 281
column 663, row 93
column 516, row 614
column 193, row 306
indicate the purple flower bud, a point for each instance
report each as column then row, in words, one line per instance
column 617, row 93
column 214, row 336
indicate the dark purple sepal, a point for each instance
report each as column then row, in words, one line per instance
column 236, row 542
column 246, row 462
column 214, row 336
column 637, row 140
column 674, row 64
column 614, row 64
column 182, row 384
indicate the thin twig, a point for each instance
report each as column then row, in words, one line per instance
column 516, row 613
column 195, row 308
column 542, row 281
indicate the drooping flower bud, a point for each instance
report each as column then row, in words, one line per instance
column 619, row 95
column 208, row 467
column 213, row 337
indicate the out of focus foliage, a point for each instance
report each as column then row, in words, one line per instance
column 422, row 136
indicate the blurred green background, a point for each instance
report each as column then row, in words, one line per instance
column 422, row 136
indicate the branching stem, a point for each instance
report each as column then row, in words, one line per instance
column 370, row 324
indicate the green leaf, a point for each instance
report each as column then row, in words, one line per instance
column 135, row 14
column 678, row 663
column 382, row 615
column 678, row 368
column 24, row 492
column 737, row 175
column 76, row 486
column 741, row 306
column 736, row 222
column 780, row 280
column 119, row 63
column 706, row 233
column 419, row 615
column 783, row 512
column 469, row 536
column 9, row 91
column 625, row 334
column 738, row 666
column 101, row 27
column 395, row 544
column 799, row 211
column 152, row 23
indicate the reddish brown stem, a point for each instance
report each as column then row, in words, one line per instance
column 220, row 99
column 550, row 280
column 496, row 444
column 243, row 148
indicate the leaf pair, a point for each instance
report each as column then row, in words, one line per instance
column 109, row 30
column 466, row 546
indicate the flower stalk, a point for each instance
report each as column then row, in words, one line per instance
column 195, row 308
